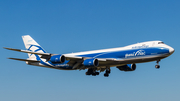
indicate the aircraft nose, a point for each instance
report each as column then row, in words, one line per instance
column 171, row 50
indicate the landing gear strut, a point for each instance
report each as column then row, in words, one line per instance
column 107, row 72
column 157, row 66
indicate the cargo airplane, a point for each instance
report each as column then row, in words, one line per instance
column 96, row 61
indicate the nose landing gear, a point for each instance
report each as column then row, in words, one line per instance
column 157, row 66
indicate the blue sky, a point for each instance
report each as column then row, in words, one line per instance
column 65, row 26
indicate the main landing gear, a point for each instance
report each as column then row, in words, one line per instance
column 107, row 72
column 92, row 72
column 157, row 66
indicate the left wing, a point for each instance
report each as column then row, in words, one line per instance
column 76, row 62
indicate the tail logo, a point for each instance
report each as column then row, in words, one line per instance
column 35, row 48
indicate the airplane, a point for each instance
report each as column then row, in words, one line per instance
column 96, row 61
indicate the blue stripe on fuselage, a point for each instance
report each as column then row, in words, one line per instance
column 129, row 53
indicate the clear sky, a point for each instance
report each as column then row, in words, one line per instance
column 65, row 26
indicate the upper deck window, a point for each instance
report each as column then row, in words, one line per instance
column 160, row 42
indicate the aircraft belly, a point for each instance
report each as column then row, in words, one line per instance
column 134, row 60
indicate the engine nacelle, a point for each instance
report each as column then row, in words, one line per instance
column 128, row 67
column 57, row 59
column 91, row 62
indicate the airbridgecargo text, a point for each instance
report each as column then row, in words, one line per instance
column 138, row 53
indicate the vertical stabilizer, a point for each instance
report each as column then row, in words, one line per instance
column 32, row 45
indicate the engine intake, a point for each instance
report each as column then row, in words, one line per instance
column 57, row 59
column 91, row 62
column 128, row 67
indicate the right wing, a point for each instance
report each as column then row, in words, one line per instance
column 74, row 61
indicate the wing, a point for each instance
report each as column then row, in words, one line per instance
column 74, row 61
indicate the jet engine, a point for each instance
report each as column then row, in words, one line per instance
column 128, row 67
column 57, row 59
column 91, row 62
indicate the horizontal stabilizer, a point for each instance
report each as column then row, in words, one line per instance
column 24, row 60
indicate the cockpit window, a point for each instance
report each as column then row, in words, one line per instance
column 160, row 42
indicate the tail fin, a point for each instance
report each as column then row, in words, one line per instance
column 32, row 45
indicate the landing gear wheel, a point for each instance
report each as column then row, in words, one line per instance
column 92, row 71
column 106, row 75
column 107, row 72
column 89, row 72
column 157, row 66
